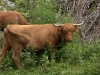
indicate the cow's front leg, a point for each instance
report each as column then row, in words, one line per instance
column 16, row 55
column 52, row 47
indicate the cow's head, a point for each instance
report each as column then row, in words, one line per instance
column 67, row 30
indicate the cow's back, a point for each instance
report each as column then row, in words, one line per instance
column 11, row 17
column 16, row 17
column 37, row 35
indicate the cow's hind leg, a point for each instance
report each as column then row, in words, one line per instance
column 4, row 51
column 16, row 54
column 6, row 47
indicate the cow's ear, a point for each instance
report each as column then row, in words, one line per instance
column 75, row 28
column 60, row 29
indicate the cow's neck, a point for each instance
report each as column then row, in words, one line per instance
column 60, row 33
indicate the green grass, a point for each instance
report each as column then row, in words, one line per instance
column 74, row 58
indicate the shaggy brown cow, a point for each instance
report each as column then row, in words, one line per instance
column 11, row 17
column 18, row 37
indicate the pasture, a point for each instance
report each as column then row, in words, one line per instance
column 74, row 58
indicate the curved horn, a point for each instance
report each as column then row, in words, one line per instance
column 58, row 24
column 78, row 24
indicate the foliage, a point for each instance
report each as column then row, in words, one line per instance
column 39, row 11
column 74, row 58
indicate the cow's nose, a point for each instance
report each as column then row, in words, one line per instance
column 69, row 40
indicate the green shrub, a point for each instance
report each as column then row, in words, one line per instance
column 72, row 58
column 42, row 12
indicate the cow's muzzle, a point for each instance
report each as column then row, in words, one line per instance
column 68, row 40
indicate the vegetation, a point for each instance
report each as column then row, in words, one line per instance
column 74, row 58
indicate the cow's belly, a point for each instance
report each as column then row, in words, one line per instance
column 37, row 46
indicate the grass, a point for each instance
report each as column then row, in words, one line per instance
column 74, row 58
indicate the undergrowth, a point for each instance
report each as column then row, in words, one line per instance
column 74, row 58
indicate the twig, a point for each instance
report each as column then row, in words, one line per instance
column 92, row 24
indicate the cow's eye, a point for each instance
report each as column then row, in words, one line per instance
column 65, row 32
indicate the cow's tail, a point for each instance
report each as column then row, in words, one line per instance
column 11, row 30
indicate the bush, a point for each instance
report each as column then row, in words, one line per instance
column 42, row 12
